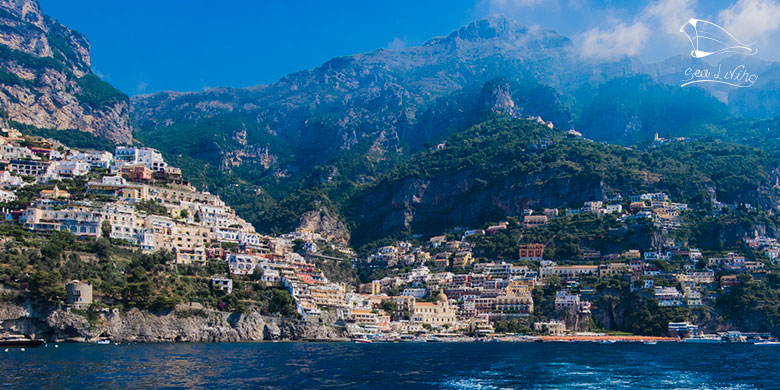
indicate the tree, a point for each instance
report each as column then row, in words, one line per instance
column 46, row 287
column 282, row 302
column 256, row 274
column 105, row 229
column 389, row 307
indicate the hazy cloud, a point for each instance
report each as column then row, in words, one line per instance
column 669, row 15
column 396, row 43
column 749, row 20
column 620, row 39
column 141, row 87
column 659, row 20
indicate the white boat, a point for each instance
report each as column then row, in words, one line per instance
column 103, row 342
column 767, row 343
column 703, row 340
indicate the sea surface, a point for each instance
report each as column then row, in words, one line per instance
column 393, row 366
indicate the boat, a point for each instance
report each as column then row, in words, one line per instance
column 767, row 343
column 651, row 342
column 362, row 341
column 103, row 342
column 703, row 340
column 19, row 341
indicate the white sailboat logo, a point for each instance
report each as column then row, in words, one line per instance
column 708, row 38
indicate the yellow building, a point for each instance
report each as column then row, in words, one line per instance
column 187, row 241
column 328, row 294
column 55, row 193
column 612, row 269
column 435, row 314
column 462, row 259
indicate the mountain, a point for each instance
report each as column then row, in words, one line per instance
column 376, row 96
column 324, row 148
column 45, row 77
column 502, row 166
column 315, row 139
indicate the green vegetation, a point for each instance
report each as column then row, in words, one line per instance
column 753, row 303
column 127, row 278
column 512, row 326
column 30, row 61
column 151, row 207
column 72, row 138
column 97, row 93
column 8, row 78
column 525, row 165
column 631, row 109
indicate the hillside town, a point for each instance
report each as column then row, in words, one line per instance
column 437, row 285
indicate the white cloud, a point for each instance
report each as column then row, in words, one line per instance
column 396, row 43
column 504, row 5
column 621, row 39
column 749, row 20
column 669, row 15
column 658, row 21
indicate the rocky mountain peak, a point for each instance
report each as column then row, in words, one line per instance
column 47, row 80
column 502, row 29
column 492, row 27
column 497, row 97
column 27, row 10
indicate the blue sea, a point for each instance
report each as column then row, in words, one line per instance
column 393, row 366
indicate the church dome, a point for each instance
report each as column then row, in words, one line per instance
column 441, row 297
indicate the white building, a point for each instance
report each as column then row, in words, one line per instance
column 240, row 264
column 222, row 283
column 99, row 159
column 123, row 220
column 668, row 296
column 9, row 180
column 7, row 196
column 565, row 300
column 72, row 168
column 11, row 152
column 414, row 292
column 148, row 157
column 31, row 168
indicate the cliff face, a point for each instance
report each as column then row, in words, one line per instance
column 427, row 204
column 326, row 223
column 179, row 326
column 45, row 77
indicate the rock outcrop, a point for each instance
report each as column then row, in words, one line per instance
column 45, row 77
column 188, row 323
column 326, row 223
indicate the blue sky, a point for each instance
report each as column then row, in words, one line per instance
column 144, row 46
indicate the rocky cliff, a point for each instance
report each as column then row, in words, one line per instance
column 45, row 76
column 188, row 323
column 326, row 223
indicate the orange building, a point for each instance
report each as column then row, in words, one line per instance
column 531, row 251
column 136, row 172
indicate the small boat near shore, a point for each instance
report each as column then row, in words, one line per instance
column 19, row 341
column 767, row 343
column 703, row 340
